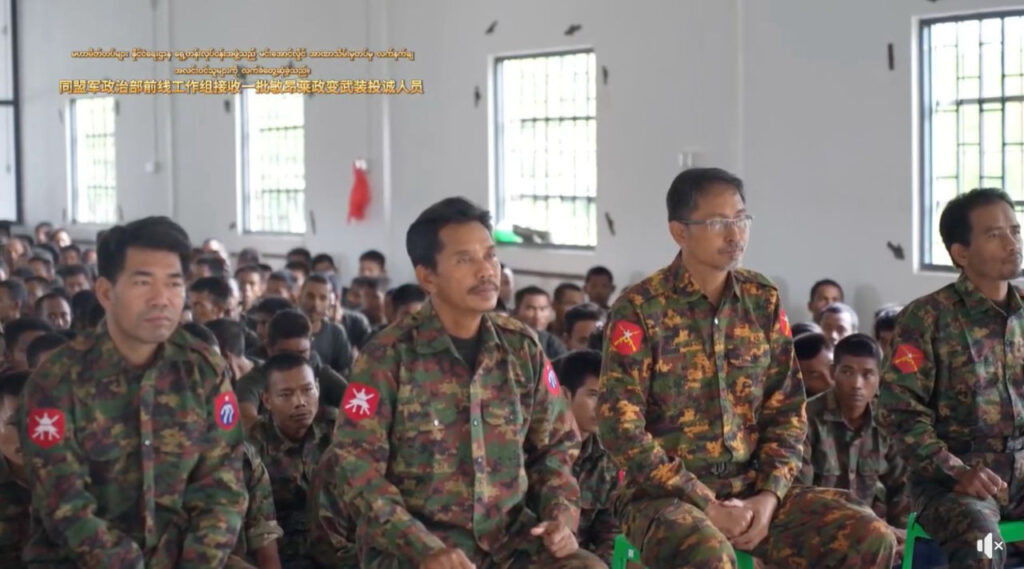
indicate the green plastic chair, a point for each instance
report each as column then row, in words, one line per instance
column 624, row 552
column 1011, row 532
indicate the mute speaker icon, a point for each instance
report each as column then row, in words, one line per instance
column 987, row 545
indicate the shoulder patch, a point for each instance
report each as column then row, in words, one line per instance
column 907, row 358
column 626, row 337
column 45, row 427
column 360, row 401
column 226, row 409
column 551, row 378
column 787, row 330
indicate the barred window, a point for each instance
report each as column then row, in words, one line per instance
column 546, row 147
column 972, row 123
column 10, row 197
column 273, row 163
column 93, row 160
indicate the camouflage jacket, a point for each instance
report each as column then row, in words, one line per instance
column 332, row 531
column 14, row 517
column 250, row 387
column 290, row 467
column 865, row 461
column 694, row 395
column 430, row 449
column 955, row 377
column 261, row 525
column 598, row 476
column 132, row 467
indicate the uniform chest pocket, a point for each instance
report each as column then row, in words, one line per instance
column 750, row 350
column 428, row 438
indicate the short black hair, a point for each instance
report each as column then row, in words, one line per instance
column 840, row 308
column 282, row 276
column 218, row 268
column 857, row 346
column 407, row 294
column 596, row 340
column 302, row 252
column 40, row 280
column 216, row 287
column 68, row 271
column 301, row 266
column 682, row 195
column 52, row 294
column 288, row 324
column 249, row 256
column 201, row 333
column 86, row 310
column 827, row 282
column 423, row 239
column 885, row 319
column 374, row 256
column 320, row 278
column 72, row 247
column 45, row 343
column 574, row 368
column 43, row 224
column 230, row 335
column 156, row 233
column 265, row 268
column 599, row 271
column 801, row 328
column 285, row 361
column 562, row 288
column 16, row 289
column 42, row 259
column 323, row 258
column 529, row 291
column 372, row 283
column 15, row 329
column 808, row 346
column 272, row 305
column 955, row 221
column 247, row 269
column 582, row 313
column 13, row 383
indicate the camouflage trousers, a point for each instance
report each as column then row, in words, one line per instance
column 519, row 552
column 957, row 521
column 813, row 528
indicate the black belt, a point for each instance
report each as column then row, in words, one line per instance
column 994, row 444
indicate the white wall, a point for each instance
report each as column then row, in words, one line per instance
column 795, row 96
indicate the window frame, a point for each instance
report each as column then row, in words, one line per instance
column 15, row 103
column 243, row 180
column 497, row 140
column 72, row 166
column 928, row 225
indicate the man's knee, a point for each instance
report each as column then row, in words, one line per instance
column 958, row 523
column 582, row 559
column 676, row 534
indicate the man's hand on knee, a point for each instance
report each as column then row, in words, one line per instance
column 979, row 482
column 447, row 559
column 732, row 517
column 763, row 506
column 558, row 538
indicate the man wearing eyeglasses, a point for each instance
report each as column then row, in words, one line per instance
column 703, row 407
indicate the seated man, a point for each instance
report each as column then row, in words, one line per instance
column 15, row 496
column 332, row 529
column 371, row 264
column 599, row 285
column 823, row 293
column 566, row 296
column 230, row 336
column 209, row 298
column 280, row 284
column 43, row 347
column 330, row 340
column 290, row 439
column 456, row 444
column 259, row 319
column 952, row 390
column 814, row 356
column 251, row 285
column 580, row 323
column 844, row 447
column 885, row 325
column 76, row 278
column 371, row 303
column 257, row 540
column 838, row 321
column 289, row 332
column 533, row 308
column 408, row 299
column 701, row 405
column 17, row 336
column 598, row 476
column 55, row 308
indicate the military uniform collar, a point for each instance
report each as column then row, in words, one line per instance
column 430, row 337
column 834, row 414
column 100, row 338
column 977, row 302
column 592, row 446
column 688, row 289
column 276, row 441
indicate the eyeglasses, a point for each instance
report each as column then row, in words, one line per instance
column 720, row 224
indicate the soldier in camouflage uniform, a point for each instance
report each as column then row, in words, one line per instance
column 456, row 445
column 257, row 542
column 953, row 386
column 15, row 496
column 702, row 405
column 290, row 439
column 845, row 448
column 595, row 471
column 130, row 432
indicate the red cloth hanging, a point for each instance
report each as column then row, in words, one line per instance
column 359, row 196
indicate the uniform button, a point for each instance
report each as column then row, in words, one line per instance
column 479, row 460
column 716, row 322
column 476, row 422
column 146, row 442
column 437, row 423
